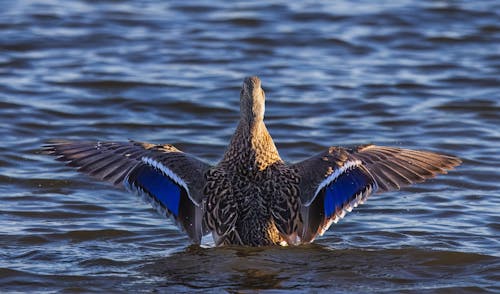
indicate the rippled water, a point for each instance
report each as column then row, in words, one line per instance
column 416, row 74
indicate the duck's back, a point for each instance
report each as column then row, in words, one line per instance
column 252, row 207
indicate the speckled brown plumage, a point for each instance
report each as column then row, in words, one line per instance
column 252, row 197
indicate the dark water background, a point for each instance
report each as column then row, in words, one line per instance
column 416, row 74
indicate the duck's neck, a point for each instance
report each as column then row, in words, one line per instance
column 251, row 147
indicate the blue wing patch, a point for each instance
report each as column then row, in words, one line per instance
column 344, row 189
column 158, row 186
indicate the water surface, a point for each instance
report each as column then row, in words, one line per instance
column 415, row 74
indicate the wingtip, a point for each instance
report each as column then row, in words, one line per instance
column 52, row 143
column 49, row 147
column 456, row 161
column 451, row 162
column 56, row 142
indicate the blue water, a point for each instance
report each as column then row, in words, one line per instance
column 413, row 74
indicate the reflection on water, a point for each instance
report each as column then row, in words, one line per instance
column 318, row 267
column 415, row 74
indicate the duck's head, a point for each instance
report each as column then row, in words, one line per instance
column 252, row 100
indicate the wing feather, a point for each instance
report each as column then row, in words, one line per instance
column 172, row 181
column 394, row 168
column 337, row 180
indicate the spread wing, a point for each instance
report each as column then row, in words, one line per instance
column 171, row 180
column 339, row 179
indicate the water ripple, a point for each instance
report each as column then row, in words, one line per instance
column 416, row 74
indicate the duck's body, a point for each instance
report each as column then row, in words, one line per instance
column 252, row 197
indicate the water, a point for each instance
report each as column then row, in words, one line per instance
column 415, row 74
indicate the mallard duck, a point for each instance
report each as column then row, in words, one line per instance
column 252, row 197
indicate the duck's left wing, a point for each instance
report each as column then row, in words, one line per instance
column 339, row 179
column 171, row 180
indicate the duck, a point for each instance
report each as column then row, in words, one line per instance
column 252, row 197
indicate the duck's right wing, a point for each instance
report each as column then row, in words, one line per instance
column 339, row 179
column 171, row 180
